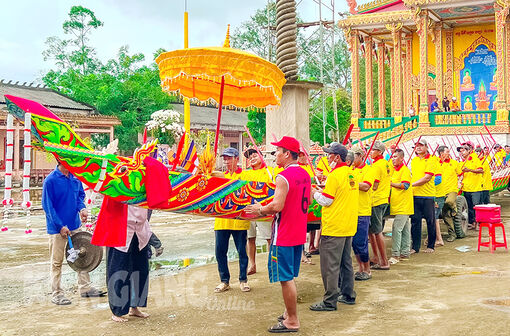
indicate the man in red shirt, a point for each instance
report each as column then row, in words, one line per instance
column 290, row 210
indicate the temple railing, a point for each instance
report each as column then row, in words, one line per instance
column 388, row 133
column 463, row 118
column 374, row 124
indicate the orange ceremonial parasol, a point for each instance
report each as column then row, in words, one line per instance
column 228, row 76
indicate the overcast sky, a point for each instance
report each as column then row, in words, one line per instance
column 144, row 25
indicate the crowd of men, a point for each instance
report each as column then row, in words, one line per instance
column 359, row 192
column 357, row 188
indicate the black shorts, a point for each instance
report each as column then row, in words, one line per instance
column 313, row 226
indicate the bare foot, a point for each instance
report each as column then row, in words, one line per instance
column 119, row 319
column 252, row 270
column 439, row 243
column 137, row 312
column 429, row 250
column 412, row 251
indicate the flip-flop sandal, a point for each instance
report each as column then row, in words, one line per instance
column 222, row 287
column 308, row 255
column 281, row 328
column 280, row 318
column 61, row 301
column 244, row 287
column 379, row 267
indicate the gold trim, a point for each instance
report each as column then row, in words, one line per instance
column 374, row 18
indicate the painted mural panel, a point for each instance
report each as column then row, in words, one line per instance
column 478, row 80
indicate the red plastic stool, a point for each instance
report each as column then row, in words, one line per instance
column 492, row 244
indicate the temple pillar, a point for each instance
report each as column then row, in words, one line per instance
column 438, row 44
column 507, row 67
column 369, row 81
column 449, row 63
column 423, row 27
column 396, row 33
column 380, row 77
column 352, row 39
column 392, row 80
column 408, row 73
column 501, row 14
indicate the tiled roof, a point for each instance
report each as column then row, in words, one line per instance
column 45, row 96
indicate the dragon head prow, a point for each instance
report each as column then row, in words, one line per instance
column 129, row 164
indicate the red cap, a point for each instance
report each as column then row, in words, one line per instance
column 288, row 143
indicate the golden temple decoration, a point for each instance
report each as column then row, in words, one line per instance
column 374, row 18
column 373, row 5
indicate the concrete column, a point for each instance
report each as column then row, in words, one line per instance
column 369, row 81
column 291, row 118
column 381, row 54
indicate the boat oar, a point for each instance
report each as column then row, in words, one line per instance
column 396, row 145
column 348, row 135
column 371, row 146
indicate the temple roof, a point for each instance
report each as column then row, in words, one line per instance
column 52, row 99
column 372, row 17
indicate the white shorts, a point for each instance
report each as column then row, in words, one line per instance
column 264, row 230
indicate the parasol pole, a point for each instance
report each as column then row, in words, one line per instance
column 187, row 108
column 259, row 153
column 220, row 107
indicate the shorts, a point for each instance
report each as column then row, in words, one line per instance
column 360, row 239
column 440, row 204
column 312, row 226
column 264, row 229
column 284, row 262
column 377, row 218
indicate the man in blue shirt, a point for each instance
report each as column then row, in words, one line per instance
column 63, row 202
column 434, row 107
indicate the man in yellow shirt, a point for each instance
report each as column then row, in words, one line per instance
column 364, row 177
column 487, row 186
column 224, row 228
column 423, row 167
column 380, row 202
column 472, row 178
column 401, row 206
column 339, row 201
column 259, row 173
column 500, row 155
column 447, row 190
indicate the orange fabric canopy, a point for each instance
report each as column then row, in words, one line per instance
column 195, row 73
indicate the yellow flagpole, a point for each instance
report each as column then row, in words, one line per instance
column 187, row 117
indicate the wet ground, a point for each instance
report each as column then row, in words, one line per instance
column 447, row 293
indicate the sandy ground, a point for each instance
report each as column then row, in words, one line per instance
column 446, row 293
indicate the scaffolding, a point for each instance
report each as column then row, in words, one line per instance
column 323, row 30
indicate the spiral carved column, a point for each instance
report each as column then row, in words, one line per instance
column 286, row 30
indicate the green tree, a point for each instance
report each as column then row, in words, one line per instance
column 75, row 53
column 257, row 125
column 123, row 86
column 343, row 104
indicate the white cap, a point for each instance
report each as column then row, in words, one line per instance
column 453, row 98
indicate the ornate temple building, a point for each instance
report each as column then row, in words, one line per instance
column 435, row 49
